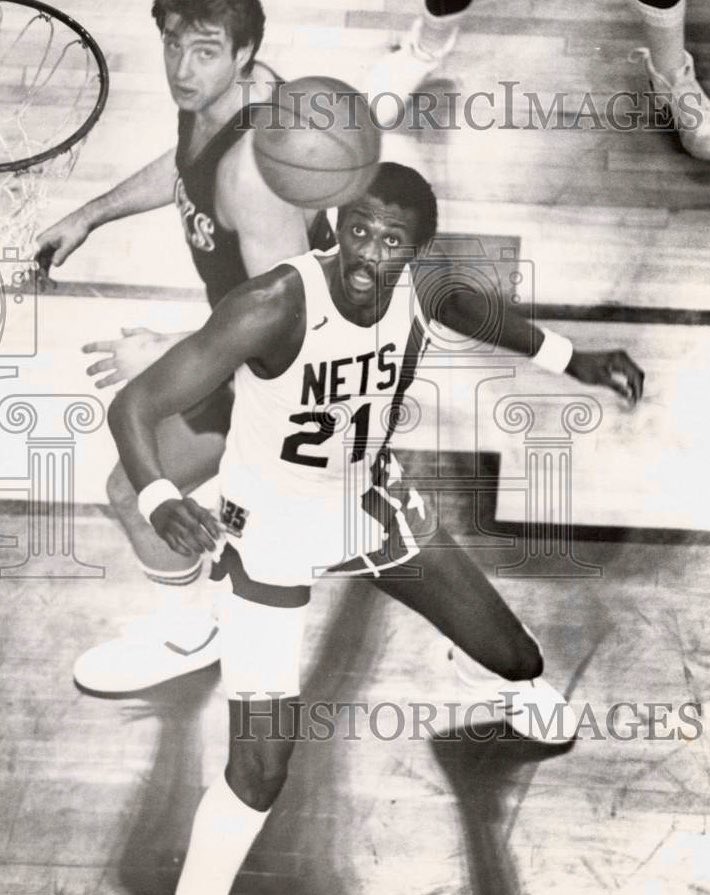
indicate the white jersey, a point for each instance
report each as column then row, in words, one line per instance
column 300, row 446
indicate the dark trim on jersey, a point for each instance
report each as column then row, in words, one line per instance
column 230, row 563
column 414, row 350
column 233, row 129
column 397, row 549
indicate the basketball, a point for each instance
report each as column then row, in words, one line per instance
column 316, row 145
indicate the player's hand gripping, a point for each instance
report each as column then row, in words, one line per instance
column 55, row 244
column 613, row 369
column 186, row 527
column 129, row 356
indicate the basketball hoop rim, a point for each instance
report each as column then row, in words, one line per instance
column 82, row 131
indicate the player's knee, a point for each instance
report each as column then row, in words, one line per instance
column 255, row 786
column 121, row 494
column 525, row 661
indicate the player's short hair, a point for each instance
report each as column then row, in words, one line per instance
column 401, row 185
column 243, row 20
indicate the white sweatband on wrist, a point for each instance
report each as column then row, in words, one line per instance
column 555, row 352
column 154, row 494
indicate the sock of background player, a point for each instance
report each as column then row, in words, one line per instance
column 439, row 19
column 664, row 33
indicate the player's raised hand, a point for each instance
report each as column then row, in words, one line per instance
column 186, row 527
column 614, row 369
column 129, row 356
column 55, row 244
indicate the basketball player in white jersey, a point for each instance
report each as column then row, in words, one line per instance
column 315, row 345
column 229, row 217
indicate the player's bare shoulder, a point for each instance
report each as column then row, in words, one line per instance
column 270, row 312
column 234, row 177
column 237, row 174
column 242, row 198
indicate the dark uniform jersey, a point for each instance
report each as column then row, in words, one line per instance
column 215, row 250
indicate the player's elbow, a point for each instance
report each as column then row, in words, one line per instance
column 121, row 410
column 115, row 414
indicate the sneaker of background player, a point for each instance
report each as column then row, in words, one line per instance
column 152, row 650
column 402, row 70
column 680, row 93
column 534, row 709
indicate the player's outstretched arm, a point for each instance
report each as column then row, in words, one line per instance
column 269, row 229
column 469, row 314
column 251, row 323
column 151, row 187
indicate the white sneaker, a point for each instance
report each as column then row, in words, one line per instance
column 153, row 650
column 685, row 100
column 537, row 711
column 534, row 709
column 402, row 71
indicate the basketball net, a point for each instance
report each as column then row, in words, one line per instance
column 53, row 86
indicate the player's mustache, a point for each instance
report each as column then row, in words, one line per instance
column 360, row 267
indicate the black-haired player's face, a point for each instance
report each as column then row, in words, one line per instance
column 199, row 63
column 376, row 241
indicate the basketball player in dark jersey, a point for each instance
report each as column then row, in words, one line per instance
column 230, row 219
column 281, row 482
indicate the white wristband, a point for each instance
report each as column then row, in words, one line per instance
column 555, row 352
column 154, row 494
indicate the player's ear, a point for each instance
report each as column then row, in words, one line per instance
column 243, row 56
column 424, row 248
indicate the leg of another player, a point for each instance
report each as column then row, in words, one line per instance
column 261, row 648
column 457, row 597
column 178, row 638
column 671, row 70
column 430, row 40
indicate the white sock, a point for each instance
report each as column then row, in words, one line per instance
column 436, row 31
column 182, row 614
column 223, row 831
column 173, row 581
column 664, row 32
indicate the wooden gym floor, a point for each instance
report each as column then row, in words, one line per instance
column 97, row 796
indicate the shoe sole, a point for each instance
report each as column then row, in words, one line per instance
column 142, row 692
